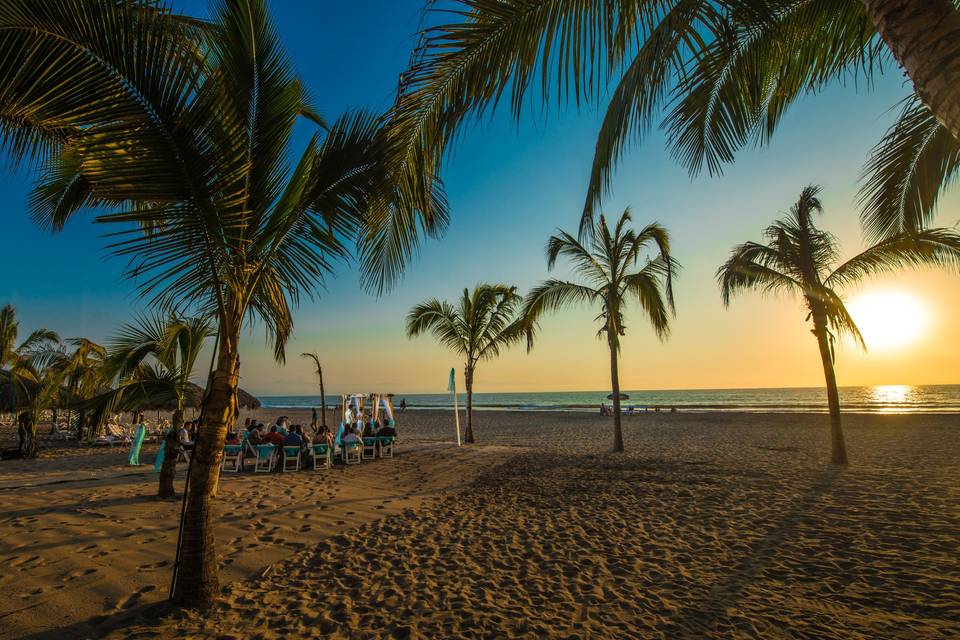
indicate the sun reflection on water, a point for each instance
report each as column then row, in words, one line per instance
column 892, row 397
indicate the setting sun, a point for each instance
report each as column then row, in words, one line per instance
column 889, row 320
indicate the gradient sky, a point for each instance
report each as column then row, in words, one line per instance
column 509, row 189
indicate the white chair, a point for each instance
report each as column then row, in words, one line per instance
column 385, row 444
column 291, row 458
column 183, row 455
column 232, row 458
column 369, row 449
column 351, row 452
column 265, row 459
column 321, row 456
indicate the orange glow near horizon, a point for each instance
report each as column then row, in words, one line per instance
column 889, row 320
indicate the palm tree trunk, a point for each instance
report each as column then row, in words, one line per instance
column 838, row 449
column 323, row 400
column 168, row 470
column 468, row 383
column 924, row 36
column 198, row 576
column 615, row 383
column 31, row 450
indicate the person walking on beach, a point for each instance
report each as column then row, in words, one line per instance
column 403, row 405
column 139, row 435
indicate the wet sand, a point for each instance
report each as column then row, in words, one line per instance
column 711, row 525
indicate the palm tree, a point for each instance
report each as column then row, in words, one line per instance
column 798, row 259
column 21, row 367
column 84, row 377
column 323, row 396
column 183, row 133
column 153, row 361
column 722, row 73
column 610, row 280
column 478, row 328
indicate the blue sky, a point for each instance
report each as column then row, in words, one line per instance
column 509, row 189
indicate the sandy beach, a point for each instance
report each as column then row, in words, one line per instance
column 711, row 525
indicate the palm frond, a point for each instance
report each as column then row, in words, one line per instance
column 908, row 170
column 441, row 319
column 929, row 247
column 754, row 266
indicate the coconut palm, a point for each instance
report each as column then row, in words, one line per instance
column 323, row 396
column 723, row 73
column 153, row 361
column 22, row 371
column 182, row 132
column 607, row 265
column 801, row 259
column 478, row 328
column 84, row 377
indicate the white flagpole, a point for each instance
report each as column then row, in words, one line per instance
column 456, row 410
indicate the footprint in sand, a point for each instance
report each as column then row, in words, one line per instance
column 79, row 574
column 133, row 600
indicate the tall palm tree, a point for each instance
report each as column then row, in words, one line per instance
column 478, row 328
column 610, row 280
column 721, row 73
column 153, row 361
column 323, row 396
column 21, row 364
column 182, row 131
column 801, row 259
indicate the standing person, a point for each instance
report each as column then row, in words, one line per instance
column 139, row 435
column 403, row 405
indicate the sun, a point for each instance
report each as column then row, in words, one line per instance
column 889, row 320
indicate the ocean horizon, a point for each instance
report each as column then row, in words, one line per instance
column 856, row 399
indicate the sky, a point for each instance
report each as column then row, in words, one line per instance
column 510, row 187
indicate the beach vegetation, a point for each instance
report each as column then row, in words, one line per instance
column 615, row 269
column 152, row 362
column 715, row 76
column 482, row 324
column 799, row 259
column 180, row 133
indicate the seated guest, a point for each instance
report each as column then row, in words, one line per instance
column 275, row 437
column 184, row 436
column 298, row 429
column 232, row 438
column 369, row 428
column 292, row 439
column 386, row 431
column 350, row 435
column 254, row 436
column 323, row 435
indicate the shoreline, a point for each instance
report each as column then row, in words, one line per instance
column 953, row 411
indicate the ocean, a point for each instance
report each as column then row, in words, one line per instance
column 878, row 399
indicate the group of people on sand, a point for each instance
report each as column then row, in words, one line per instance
column 283, row 434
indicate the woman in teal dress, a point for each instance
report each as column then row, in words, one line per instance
column 138, row 437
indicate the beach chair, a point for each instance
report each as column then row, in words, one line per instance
column 232, row 458
column 351, row 452
column 385, row 445
column 291, row 458
column 266, row 458
column 183, row 455
column 324, row 451
column 369, row 449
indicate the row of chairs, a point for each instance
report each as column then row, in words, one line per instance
column 266, row 457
